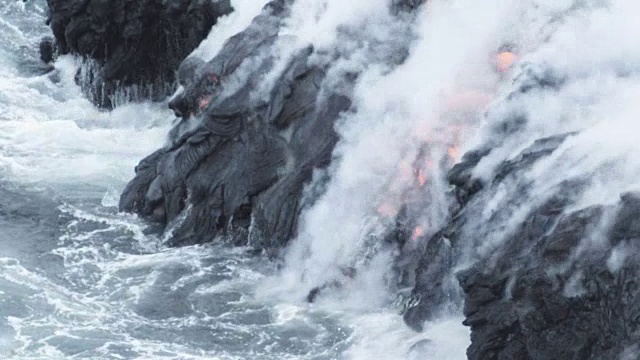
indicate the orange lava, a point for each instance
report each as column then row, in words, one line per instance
column 505, row 60
column 386, row 209
column 452, row 151
column 417, row 232
column 422, row 179
column 204, row 102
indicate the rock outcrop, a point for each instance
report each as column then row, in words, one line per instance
column 238, row 159
column 132, row 48
column 551, row 281
column 564, row 282
column 256, row 123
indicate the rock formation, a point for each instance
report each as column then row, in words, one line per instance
column 252, row 133
column 560, row 283
column 247, row 157
column 132, row 48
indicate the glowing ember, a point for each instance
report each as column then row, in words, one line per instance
column 417, row 232
column 422, row 179
column 505, row 60
column 453, row 153
column 388, row 210
column 204, row 102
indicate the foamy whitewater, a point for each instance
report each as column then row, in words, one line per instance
column 84, row 281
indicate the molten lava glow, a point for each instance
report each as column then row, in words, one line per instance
column 417, row 232
column 388, row 210
column 204, row 102
column 505, row 60
column 452, row 151
column 422, row 179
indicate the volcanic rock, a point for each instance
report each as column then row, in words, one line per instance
column 256, row 125
column 551, row 282
column 132, row 48
column 237, row 159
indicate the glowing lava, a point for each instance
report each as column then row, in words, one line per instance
column 504, row 60
column 417, row 232
column 422, row 179
column 204, row 102
column 452, row 151
column 388, row 210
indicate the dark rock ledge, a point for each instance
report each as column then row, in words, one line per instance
column 237, row 163
column 131, row 47
column 540, row 293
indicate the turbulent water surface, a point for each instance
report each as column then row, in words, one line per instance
column 79, row 280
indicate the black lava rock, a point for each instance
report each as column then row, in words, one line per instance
column 547, row 279
column 237, row 165
column 134, row 47
column 251, row 136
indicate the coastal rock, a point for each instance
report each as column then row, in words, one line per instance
column 131, row 48
column 542, row 278
column 237, row 159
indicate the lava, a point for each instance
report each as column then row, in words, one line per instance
column 505, row 60
column 387, row 209
column 212, row 81
column 452, row 151
column 417, row 233
column 422, row 179
column 204, row 101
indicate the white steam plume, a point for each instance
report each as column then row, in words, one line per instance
column 590, row 50
column 243, row 12
column 397, row 113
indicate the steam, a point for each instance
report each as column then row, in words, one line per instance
column 243, row 12
column 590, row 56
column 398, row 109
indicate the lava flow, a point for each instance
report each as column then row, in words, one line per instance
column 439, row 146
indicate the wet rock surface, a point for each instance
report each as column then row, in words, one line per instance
column 132, row 48
column 256, row 124
column 237, row 162
column 544, row 296
column 551, row 281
